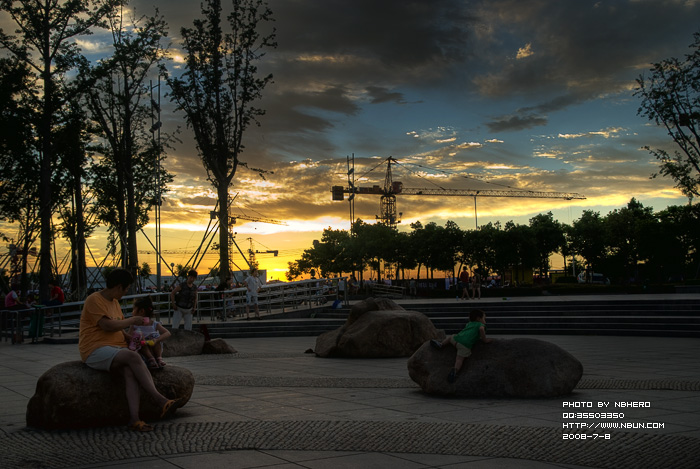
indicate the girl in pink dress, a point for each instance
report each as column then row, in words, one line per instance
column 148, row 338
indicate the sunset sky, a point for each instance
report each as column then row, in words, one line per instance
column 464, row 94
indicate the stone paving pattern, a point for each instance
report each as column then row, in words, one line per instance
column 272, row 405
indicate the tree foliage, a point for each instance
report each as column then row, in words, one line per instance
column 117, row 95
column 19, row 158
column 46, row 45
column 549, row 238
column 218, row 90
column 19, row 155
column 628, row 244
column 72, row 137
column 670, row 97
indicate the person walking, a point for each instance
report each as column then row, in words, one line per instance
column 464, row 282
column 476, row 286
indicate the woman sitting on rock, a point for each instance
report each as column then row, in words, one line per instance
column 102, row 346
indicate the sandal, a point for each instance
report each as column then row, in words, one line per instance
column 169, row 408
column 161, row 362
column 153, row 364
column 141, row 426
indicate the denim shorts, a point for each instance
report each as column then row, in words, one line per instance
column 101, row 359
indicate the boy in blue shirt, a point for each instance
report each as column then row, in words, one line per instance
column 464, row 340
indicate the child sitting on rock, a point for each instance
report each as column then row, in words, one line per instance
column 464, row 340
column 146, row 339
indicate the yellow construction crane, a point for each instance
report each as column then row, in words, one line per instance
column 387, row 208
column 252, row 252
column 233, row 219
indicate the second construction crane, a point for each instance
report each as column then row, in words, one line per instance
column 387, row 205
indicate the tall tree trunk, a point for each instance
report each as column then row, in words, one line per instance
column 24, row 278
column 79, row 270
column 127, row 160
column 224, row 261
column 45, row 178
column 131, row 222
column 121, row 216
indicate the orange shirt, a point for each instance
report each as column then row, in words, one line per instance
column 93, row 336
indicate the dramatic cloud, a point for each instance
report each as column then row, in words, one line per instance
column 382, row 95
column 464, row 94
column 516, row 122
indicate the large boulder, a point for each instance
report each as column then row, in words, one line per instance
column 502, row 368
column 377, row 328
column 217, row 347
column 73, row 395
column 183, row 343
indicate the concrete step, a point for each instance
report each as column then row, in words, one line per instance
column 667, row 317
column 273, row 328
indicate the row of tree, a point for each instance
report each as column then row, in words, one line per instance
column 632, row 243
column 78, row 145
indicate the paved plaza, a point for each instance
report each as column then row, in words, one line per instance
column 273, row 405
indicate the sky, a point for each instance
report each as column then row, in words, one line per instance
column 497, row 94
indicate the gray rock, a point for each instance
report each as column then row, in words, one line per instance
column 371, row 304
column 502, row 368
column 217, row 346
column 183, row 343
column 73, row 395
column 377, row 328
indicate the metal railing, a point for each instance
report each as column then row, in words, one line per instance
column 38, row 320
column 388, row 291
column 216, row 305
column 273, row 298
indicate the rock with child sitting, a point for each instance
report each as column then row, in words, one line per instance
column 72, row 395
column 503, row 368
column 377, row 328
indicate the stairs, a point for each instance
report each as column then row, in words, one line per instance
column 293, row 327
column 600, row 316
column 595, row 316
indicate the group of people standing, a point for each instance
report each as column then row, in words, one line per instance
column 184, row 297
column 15, row 301
column 470, row 283
column 252, row 284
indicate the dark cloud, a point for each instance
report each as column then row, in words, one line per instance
column 558, row 103
column 380, row 95
column 397, row 32
column 336, row 58
column 534, row 116
column 297, row 111
column 516, row 122
column 578, row 50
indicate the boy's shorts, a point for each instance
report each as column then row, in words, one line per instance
column 462, row 350
column 101, row 359
column 251, row 298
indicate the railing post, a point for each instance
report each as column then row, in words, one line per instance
column 60, row 324
column 283, row 291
